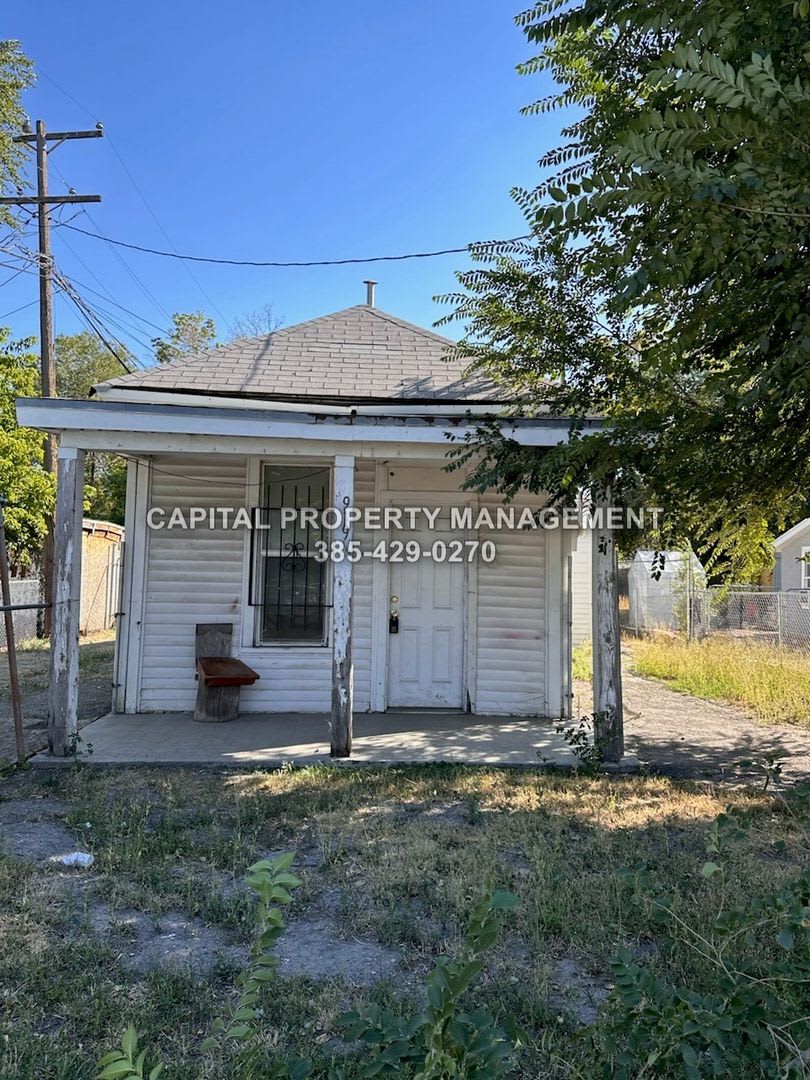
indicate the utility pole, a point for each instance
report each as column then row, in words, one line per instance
column 39, row 140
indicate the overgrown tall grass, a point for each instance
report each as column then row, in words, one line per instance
column 773, row 683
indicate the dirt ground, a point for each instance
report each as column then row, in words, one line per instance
column 674, row 734
column 95, row 690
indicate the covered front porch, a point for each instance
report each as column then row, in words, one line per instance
column 275, row 739
column 498, row 633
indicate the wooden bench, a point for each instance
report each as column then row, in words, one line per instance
column 220, row 676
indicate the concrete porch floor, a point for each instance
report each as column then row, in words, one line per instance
column 272, row 739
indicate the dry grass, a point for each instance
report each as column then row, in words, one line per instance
column 773, row 683
column 400, row 853
column 33, row 658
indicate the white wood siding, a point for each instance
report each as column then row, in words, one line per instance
column 198, row 576
column 511, row 646
column 191, row 576
column 581, row 588
column 364, row 483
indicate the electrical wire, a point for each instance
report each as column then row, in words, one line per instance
column 296, row 263
column 13, row 276
column 94, row 323
column 21, row 308
column 186, row 476
column 65, row 283
column 165, row 235
column 173, row 254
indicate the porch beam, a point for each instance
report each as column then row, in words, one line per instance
column 607, row 672
column 342, row 582
column 63, row 688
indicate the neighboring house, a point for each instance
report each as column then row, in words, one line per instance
column 353, row 408
column 791, row 571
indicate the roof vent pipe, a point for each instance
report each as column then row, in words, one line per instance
column 370, row 291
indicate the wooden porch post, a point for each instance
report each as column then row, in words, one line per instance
column 63, row 689
column 342, row 670
column 607, row 671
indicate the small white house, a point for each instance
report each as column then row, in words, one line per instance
column 353, row 409
column 792, row 565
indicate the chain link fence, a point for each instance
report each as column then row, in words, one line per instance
column 774, row 618
column 27, row 624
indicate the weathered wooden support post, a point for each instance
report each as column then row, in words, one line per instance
column 63, row 689
column 342, row 670
column 607, row 670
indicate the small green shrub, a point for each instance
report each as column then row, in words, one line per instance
column 440, row 1042
column 754, row 1023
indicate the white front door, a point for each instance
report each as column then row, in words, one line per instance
column 425, row 658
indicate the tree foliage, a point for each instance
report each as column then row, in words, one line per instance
column 27, row 490
column 191, row 332
column 256, row 323
column 82, row 361
column 665, row 283
column 16, row 75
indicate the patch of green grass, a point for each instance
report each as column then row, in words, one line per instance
column 33, row 661
column 582, row 661
column 774, row 683
column 394, row 855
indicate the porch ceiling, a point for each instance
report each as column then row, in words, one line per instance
column 273, row 739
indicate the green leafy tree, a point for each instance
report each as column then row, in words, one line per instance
column 16, row 75
column 81, row 362
column 665, row 283
column 27, row 490
column 191, row 332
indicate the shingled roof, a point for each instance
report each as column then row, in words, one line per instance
column 358, row 355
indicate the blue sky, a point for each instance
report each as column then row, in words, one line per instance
column 279, row 131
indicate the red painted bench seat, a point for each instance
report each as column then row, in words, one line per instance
column 225, row 671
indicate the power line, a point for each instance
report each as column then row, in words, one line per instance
column 31, row 257
column 144, row 289
column 22, row 307
column 270, row 263
column 166, row 236
column 13, row 276
column 106, row 294
column 90, row 318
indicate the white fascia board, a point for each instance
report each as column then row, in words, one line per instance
column 64, row 415
column 782, row 541
column 208, row 401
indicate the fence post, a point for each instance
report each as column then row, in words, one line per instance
column 689, row 595
column 11, row 645
column 779, row 618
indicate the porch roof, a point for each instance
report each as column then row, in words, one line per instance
column 160, row 425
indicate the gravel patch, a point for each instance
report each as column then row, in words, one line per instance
column 174, row 940
column 311, row 947
column 577, row 991
column 686, row 737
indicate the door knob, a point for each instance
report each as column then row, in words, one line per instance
column 394, row 599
